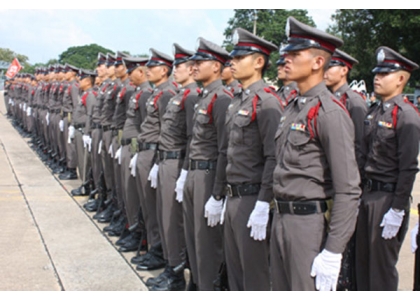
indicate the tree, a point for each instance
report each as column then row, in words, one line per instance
column 364, row 30
column 82, row 56
column 270, row 25
column 8, row 55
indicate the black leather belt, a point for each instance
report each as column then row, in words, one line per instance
column 375, row 185
column 300, row 208
column 96, row 126
column 171, row 155
column 65, row 114
column 203, row 164
column 79, row 126
column 55, row 111
column 125, row 142
column 114, row 132
column 106, row 128
column 44, row 107
column 147, row 146
column 243, row 189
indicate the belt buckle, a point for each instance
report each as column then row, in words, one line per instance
column 229, row 190
column 369, row 185
column 276, row 204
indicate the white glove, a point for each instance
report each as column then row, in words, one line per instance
column 47, row 118
column 110, row 151
column 222, row 217
column 28, row 111
column 179, row 189
column 258, row 220
column 326, row 267
column 87, row 142
column 213, row 211
column 153, row 175
column 100, row 147
column 414, row 233
column 71, row 133
column 132, row 165
column 118, row 155
column 24, row 106
column 391, row 223
column 20, row 105
column 61, row 125
column 10, row 100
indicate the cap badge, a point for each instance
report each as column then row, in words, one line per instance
column 235, row 38
column 381, row 56
column 287, row 29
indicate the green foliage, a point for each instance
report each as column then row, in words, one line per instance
column 270, row 26
column 364, row 30
column 82, row 56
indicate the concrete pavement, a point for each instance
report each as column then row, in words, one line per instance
column 48, row 242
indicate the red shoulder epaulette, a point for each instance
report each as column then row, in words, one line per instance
column 271, row 91
column 210, row 108
column 84, row 97
column 172, row 92
column 229, row 93
column 186, row 93
column 156, row 99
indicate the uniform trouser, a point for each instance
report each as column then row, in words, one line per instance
column 145, row 161
column 204, row 243
column 53, row 132
column 107, row 160
column 58, row 134
column 246, row 258
column 171, row 216
column 295, row 242
column 117, row 175
column 376, row 258
column 45, row 136
column 71, row 153
column 130, row 192
column 30, row 120
column 83, row 156
column 96, row 136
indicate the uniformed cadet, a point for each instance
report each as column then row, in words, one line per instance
column 175, row 135
column 251, row 123
column 229, row 81
column 289, row 89
column 95, row 204
column 79, row 120
column 204, row 188
column 70, row 102
column 316, row 175
column 107, row 151
column 390, row 149
column 159, row 68
column 136, row 113
column 336, row 80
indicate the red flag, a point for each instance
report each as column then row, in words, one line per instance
column 14, row 68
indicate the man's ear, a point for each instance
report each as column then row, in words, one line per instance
column 318, row 62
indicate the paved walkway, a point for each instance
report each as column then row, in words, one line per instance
column 48, row 242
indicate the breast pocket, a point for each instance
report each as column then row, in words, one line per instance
column 203, row 129
column 242, row 131
column 387, row 141
column 297, row 151
column 173, row 115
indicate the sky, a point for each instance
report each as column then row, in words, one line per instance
column 43, row 32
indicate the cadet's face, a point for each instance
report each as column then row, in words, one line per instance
column 385, row 84
column 243, row 66
column 333, row 75
column 154, row 74
column 111, row 71
column 181, row 73
column 227, row 74
column 102, row 70
column 202, row 70
column 120, row 71
column 298, row 65
column 84, row 82
column 281, row 74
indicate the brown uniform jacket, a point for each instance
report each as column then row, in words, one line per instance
column 136, row 112
column 156, row 106
column 287, row 93
column 123, row 98
column 316, row 160
column 209, row 130
column 251, row 122
column 176, row 128
column 357, row 108
column 109, row 102
column 391, row 146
